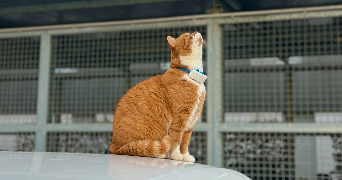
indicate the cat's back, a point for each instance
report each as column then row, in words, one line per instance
column 142, row 97
column 145, row 87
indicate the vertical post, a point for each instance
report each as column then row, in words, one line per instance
column 214, row 92
column 43, row 91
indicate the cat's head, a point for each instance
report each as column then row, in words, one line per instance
column 186, row 51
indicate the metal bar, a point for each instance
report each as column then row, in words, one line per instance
column 256, row 14
column 79, row 127
column 214, row 97
column 14, row 128
column 20, row 34
column 278, row 17
column 105, row 127
column 89, row 29
column 316, row 128
column 43, row 91
column 124, row 27
column 209, row 101
column 201, row 127
column 100, row 25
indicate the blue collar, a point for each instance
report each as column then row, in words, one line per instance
column 186, row 70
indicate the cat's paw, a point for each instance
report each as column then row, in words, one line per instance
column 177, row 156
column 189, row 158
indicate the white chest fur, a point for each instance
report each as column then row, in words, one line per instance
column 194, row 59
column 201, row 88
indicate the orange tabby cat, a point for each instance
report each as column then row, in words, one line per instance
column 156, row 117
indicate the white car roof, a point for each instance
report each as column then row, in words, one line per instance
column 58, row 166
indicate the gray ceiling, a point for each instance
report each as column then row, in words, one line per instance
column 20, row 13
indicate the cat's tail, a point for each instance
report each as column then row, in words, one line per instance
column 146, row 147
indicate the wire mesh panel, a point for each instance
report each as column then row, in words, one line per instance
column 259, row 156
column 98, row 142
column 283, row 71
column 254, row 73
column 19, row 60
column 84, row 142
column 284, row 156
column 91, row 72
column 17, row 142
column 198, row 147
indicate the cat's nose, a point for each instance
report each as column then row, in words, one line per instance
column 196, row 34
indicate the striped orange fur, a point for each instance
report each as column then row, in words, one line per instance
column 155, row 118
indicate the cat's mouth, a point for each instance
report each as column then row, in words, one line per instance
column 197, row 37
column 198, row 41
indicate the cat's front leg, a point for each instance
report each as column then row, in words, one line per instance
column 184, row 146
column 176, row 132
column 175, row 153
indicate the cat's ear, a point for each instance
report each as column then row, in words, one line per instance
column 171, row 41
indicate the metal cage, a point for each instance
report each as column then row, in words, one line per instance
column 273, row 107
